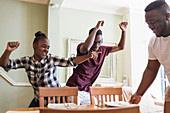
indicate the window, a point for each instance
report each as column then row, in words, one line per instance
column 164, row 81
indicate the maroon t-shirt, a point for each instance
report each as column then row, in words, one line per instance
column 85, row 74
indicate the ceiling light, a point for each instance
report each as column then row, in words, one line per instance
column 54, row 5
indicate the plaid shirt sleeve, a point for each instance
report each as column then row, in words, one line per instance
column 63, row 62
column 17, row 63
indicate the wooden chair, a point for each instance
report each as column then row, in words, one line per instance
column 54, row 93
column 133, row 109
column 105, row 94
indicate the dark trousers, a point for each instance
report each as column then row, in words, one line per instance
column 36, row 104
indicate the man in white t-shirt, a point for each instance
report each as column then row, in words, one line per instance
column 157, row 17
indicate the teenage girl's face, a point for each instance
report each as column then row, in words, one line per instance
column 97, row 42
column 41, row 49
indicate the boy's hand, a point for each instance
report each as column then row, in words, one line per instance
column 94, row 54
column 123, row 26
column 99, row 24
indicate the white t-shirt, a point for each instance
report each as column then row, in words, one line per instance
column 159, row 49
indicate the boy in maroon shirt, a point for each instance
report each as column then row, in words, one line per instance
column 87, row 72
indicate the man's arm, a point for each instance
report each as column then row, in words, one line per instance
column 5, row 57
column 90, row 39
column 120, row 46
column 149, row 76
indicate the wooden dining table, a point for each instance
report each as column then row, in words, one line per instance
column 81, row 108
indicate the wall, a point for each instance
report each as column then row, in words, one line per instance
column 139, row 40
column 18, row 22
column 76, row 24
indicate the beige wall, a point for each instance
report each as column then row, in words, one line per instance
column 72, row 23
column 18, row 22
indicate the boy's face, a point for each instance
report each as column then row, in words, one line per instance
column 97, row 42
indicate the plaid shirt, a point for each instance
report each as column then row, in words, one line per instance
column 40, row 73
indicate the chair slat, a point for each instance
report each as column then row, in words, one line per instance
column 120, row 97
column 105, row 98
column 48, row 100
column 98, row 99
column 102, row 99
column 68, row 99
column 110, row 98
column 58, row 99
column 64, row 99
column 114, row 98
column 54, row 99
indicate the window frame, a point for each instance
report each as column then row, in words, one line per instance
column 72, row 51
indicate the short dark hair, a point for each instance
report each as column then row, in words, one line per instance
column 99, row 32
column 39, row 35
column 158, row 4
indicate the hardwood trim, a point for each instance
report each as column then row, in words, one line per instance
column 37, row 1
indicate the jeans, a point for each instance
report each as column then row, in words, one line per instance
column 36, row 104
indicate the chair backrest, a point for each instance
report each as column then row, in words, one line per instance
column 134, row 109
column 105, row 94
column 55, row 93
